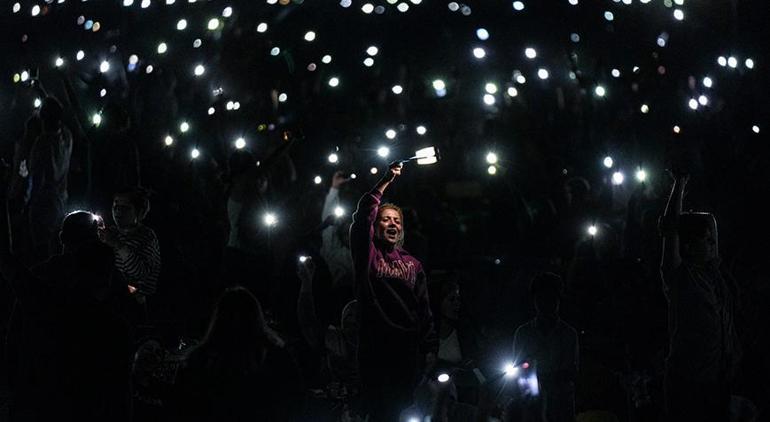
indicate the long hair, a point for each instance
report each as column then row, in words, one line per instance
column 396, row 208
column 238, row 337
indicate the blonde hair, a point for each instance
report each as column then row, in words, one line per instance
column 396, row 208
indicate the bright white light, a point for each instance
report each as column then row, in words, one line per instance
column 492, row 170
column 96, row 119
column 283, row 97
column 592, row 230
column 162, row 48
column 211, row 111
column 346, row 3
column 755, row 129
column 368, row 62
column 421, row 130
column 439, row 85
column 383, row 151
column 145, row 4
column 195, row 153
column 491, row 158
column 749, row 63
column 693, row 103
column 510, row 370
column 390, row 134
column 103, row 93
column 482, row 34
column 38, row 102
column 512, row 92
column 490, row 88
column 35, row 10
column 489, row 99
column 677, row 129
column 600, row 91
column 367, row 8
column 149, row 69
column 339, row 211
column 240, row 143
column 609, row 16
column 333, row 158
column 722, row 61
column 197, row 43
column 518, row 6
column 521, row 79
column 608, row 162
column 270, row 219
column 645, row 108
column 168, row 140
column 453, row 6
column 275, row 51
column 641, row 175
column 573, row 2
column 373, row 170
column 227, row 12
column 199, row 70
column 703, row 100
column 24, row 76
column 262, row 27
column 326, row 59
column 213, row 24
column 542, row 73
column 309, row 36
column 181, row 25
column 303, row 259
column 184, row 127
column 732, row 62
column 402, row 7
column 479, row 53
column 16, row 7
column 678, row 14
column 707, row 82
column 372, row 50
column 334, row 82
column 59, row 62
column 443, row 378
column 530, row 53
column 397, row 89
column 317, row 180
column 104, row 67
column 618, row 178
column 615, row 73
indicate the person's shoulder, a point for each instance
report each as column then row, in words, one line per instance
column 567, row 329
column 526, row 327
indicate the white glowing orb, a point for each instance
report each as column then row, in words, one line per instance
column 275, row 51
column 334, row 82
column 333, row 158
column 16, row 7
column 402, row 7
column 609, row 16
column 184, row 127
column 491, row 158
column 372, row 50
column 512, row 91
column 317, row 180
column 707, row 82
column 482, row 34
column 443, row 378
column 592, row 230
column 309, row 36
column 262, row 27
column 693, row 103
column 510, row 370
column 453, row 6
column 749, row 63
column 373, row 170
column 240, row 143
column 520, row 79
column 615, row 73
column 608, row 162
column 397, row 89
column 383, row 151
column 283, row 97
column 542, row 73
column 755, row 129
column 199, row 70
column 339, row 211
column 490, row 88
column 489, row 99
column 645, row 108
column 518, row 6
column 145, row 4
column 213, row 24
column 35, row 10
column 104, row 66
column 732, row 62
column 270, row 219
column 59, row 62
column 303, row 259
column 641, row 175
column 162, row 48
column 181, row 25
column 703, row 100
column 618, row 178
column 530, row 53
column 677, row 129
column 367, row 8
column 439, row 85
column 37, row 103
column 368, row 62
column 722, row 61
column 678, row 14
column 390, row 134
column 211, row 111
column 227, row 12
column 326, row 59
column 492, row 170
column 479, row 53
column 600, row 91
column 421, row 130
column 168, row 140
column 195, row 153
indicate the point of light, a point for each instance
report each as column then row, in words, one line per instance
column 402, row 7
column 240, row 143
column 275, row 51
column 372, row 50
column 383, row 151
column 326, row 59
column 397, row 89
column 492, row 170
column 530, row 53
column 211, row 111
column 749, row 63
column 59, row 62
column 181, row 25
column 592, row 230
column 542, row 73
column 439, row 85
column 373, row 170
column 491, row 158
column 35, row 10
column 510, row 370
column 339, row 211
column 679, row 14
column 390, row 134
column 309, row 36
column 37, row 103
column 303, row 259
column 317, row 180
column 269, row 219
column 443, row 378
column 168, row 140
column 162, row 48
column 195, row 153
column 722, row 61
column 518, row 6
column 512, row 92
column 618, row 178
column 615, row 73
column 479, row 53
column 262, row 27
column 609, row 16
column 677, row 129
column 96, row 119
column 693, row 103
column 199, row 70
column 184, row 127
column 482, row 34
column 16, row 7
column 421, row 130
column 645, row 108
column 227, row 12
column 703, row 100
column 367, row 8
column 707, row 82
column 641, row 175
column 755, row 129
column 608, row 162
column 368, row 62
column 213, row 24
column 490, row 88
column 489, row 99
column 104, row 67
column 333, row 158
column 600, row 91
column 334, row 82
column 732, row 62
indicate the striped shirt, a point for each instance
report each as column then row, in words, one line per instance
column 137, row 258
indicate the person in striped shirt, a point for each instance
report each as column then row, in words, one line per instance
column 137, row 253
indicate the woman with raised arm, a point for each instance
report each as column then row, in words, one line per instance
column 396, row 335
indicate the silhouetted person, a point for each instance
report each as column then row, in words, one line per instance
column 703, row 346
column 241, row 371
column 335, row 248
column 69, row 351
column 396, row 332
column 551, row 346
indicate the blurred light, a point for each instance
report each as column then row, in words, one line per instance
column 311, row 67
column 145, row 4
column 270, row 219
column 678, row 14
column 346, row 3
column 732, row 62
column 489, row 99
column 333, row 158
column 600, row 91
column 309, row 36
column 326, row 59
column 103, row 93
column 211, row 111
column 197, row 43
column 283, row 97
column 749, row 63
column 149, row 69
column 213, row 24
column 530, row 53
column 609, row 16
column 677, row 129
column 339, row 211
column 16, row 7
column 168, row 140
column 574, row 37
column 421, row 130
column 227, row 12
column 491, row 158
column 510, row 370
column 334, row 82
column 755, row 129
column 722, row 61
column 542, row 73
column 35, row 10
column 368, row 62
column 397, row 89
column 373, row 170
column 303, row 259
column 703, row 100
column 521, row 79
column 104, row 67
column 518, row 6
column 240, row 143
column 492, row 170
column 618, row 178
column 59, row 62
column 443, row 378
column 592, row 230
column 490, row 88
column 479, row 53
column 383, row 151
column 645, row 108
column 641, row 175
column 372, row 50
column 199, row 70
column 693, row 103
column 608, row 162
column 615, row 73
column 181, row 24
column 162, row 48
column 707, row 82
column 184, row 127
column 390, row 134
column 24, row 75
column 195, row 153
column 512, row 92
column 96, row 119
column 275, row 51
column 453, row 6
column 317, row 180
column 37, row 103
column 367, row 8
column 482, row 34
column 439, row 85
column 262, row 27
column 402, row 7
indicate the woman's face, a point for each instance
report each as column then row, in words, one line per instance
column 450, row 305
column 389, row 226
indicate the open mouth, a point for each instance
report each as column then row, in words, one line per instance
column 391, row 232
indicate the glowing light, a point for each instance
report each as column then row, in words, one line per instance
column 145, row 4
column 479, row 53
column 421, row 130
column 749, row 63
column 518, row 6
column 303, row 259
column 275, row 51
column 510, row 370
column 608, row 162
column 383, row 151
column 227, row 12
column 339, row 211
column 262, row 27
column 240, row 143
column 372, row 50
column 592, row 230
column 491, row 158
column 334, row 82
column 59, row 62
column 489, row 99
column 482, row 34
column 35, row 10
column 390, row 134
column 213, row 24
column 211, row 111
column 520, row 79
column 453, row 6
column 333, row 158
column 309, row 36
column 402, row 7
column 693, row 103
column 397, row 89
column 326, row 59
column 181, row 24
column 755, row 129
column 103, row 93
column 439, row 85
column 367, row 8
column 542, row 73
column 184, row 127
column 722, row 61
column 270, row 219
column 368, row 62
column 732, row 62
column 703, row 100
column 373, row 170
column 24, row 76
column 618, row 178
column 609, row 16
column 199, row 70
column 317, row 180
column 104, row 67
column 707, row 82
column 195, row 153
column 37, row 103
column 16, row 7
column 168, row 140
column 573, row 2
column 197, row 43
column 615, row 73
column 678, row 14
column 600, row 91
column 641, row 175
column 677, row 129
column 162, row 48
column 490, row 88
column 283, row 97
column 512, row 92
column 492, row 170
column 530, row 53
column 645, row 108
column 443, row 378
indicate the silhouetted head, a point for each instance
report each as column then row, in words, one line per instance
column 546, row 292
column 129, row 207
column 576, row 191
column 238, row 324
column 51, row 113
column 450, row 300
column 390, row 225
column 79, row 228
column 698, row 240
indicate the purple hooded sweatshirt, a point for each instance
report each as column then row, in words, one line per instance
column 391, row 288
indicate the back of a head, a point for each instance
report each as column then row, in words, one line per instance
column 238, row 322
column 51, row 113
column 78, row 228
